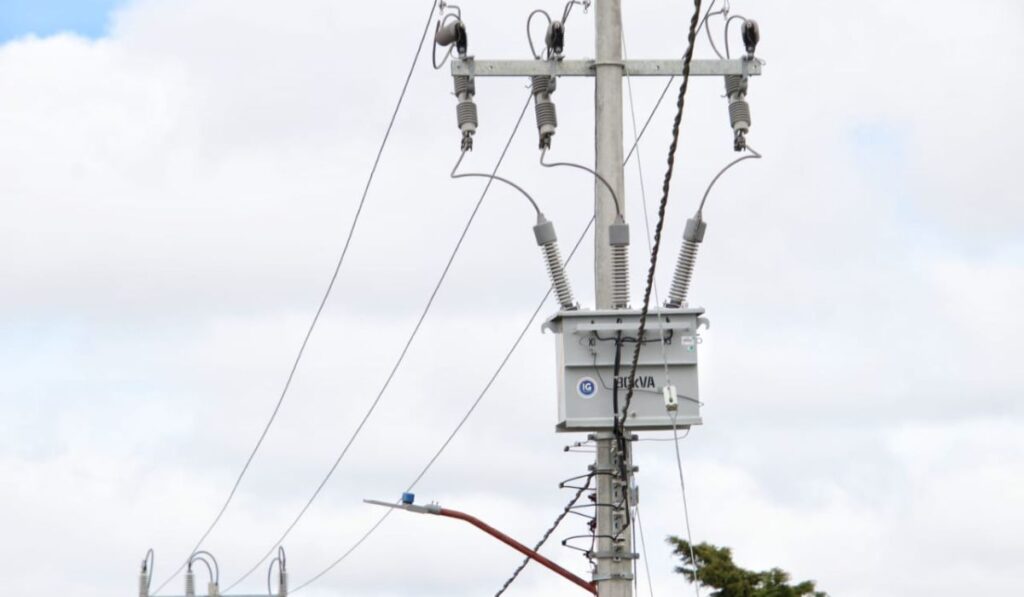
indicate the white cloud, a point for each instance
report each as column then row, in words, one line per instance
column 173, row 197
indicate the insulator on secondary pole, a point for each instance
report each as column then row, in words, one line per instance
column 618, row 238
column 547, row 119
column 544, row 231
column 693, row 235
column 190, row 582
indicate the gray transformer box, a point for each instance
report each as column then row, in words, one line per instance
column 586, row 342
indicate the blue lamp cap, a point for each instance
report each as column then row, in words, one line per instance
column 408, row 498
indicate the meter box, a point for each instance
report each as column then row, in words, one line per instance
column 586, row 342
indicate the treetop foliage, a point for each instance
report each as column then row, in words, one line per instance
column 716, row 570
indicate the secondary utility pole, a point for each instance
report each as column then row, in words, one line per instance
column 614, row 554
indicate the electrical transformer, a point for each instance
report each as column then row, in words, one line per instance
column 587, row 343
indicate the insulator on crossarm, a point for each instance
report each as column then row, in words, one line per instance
column 143, row 583
column 282, row 588
column 465, row 90
column 547, row 118
column 190, row 583
column 739, row 109
column 618, row 238
column 544, row 231
column 692, row 237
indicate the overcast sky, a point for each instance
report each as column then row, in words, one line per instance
column 176, row 180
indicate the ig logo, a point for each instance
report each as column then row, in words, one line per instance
column 586, row 388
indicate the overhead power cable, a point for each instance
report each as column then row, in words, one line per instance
column 501, row 366
column 547, row 534
column 458, row 427
column 666, row 186
column 322, row 304
column 399, row 360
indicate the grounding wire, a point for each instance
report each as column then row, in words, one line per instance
column 493, row 177
column 615, row 197
column 323, row 300
column 686, row 509
column 547, row 534
column 666, row 185
column 398, row 361
column 462, row 421
column 643, row 549
column 754, row 155
column 493, row 378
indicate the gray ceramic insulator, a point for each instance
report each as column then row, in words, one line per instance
column 693, row 235
column 544, row 231
column 618, row 234
column 447, row 35
column 190, row 584
column 695, row 228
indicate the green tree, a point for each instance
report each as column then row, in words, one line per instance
column 715, row 569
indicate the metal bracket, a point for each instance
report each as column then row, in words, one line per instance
column 614, row 555
column 586, row 68
column 613, row 576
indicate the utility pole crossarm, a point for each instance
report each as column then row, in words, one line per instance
column 588, row 68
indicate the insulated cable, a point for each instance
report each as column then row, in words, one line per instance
column 547, row 534
column 615, row 197
column 754, row 156
column 465, row 417
column 686, row 509
column 493, row 177
column 706, row 24
column 529, row 32
column 501, row 366
column 643, row 198
column 728, row 22
column 323, row 300
column 643, row 548
column 693, row 236
column 399, row 360
column 666, row 185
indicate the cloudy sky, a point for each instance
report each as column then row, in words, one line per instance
column 176, row 181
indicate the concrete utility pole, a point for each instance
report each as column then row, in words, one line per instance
column 614, row 555
column 585, row 402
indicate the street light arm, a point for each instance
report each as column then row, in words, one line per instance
column 407, row 504
column 526, row 551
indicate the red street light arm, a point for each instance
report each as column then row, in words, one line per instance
column 526, row 551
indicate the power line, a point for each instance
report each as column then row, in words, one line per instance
column 462, row 421
column 323, row 300
column 401, row 356
column 373, row 528
column 666, row 185
column 686, row 508
column 547, row 534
